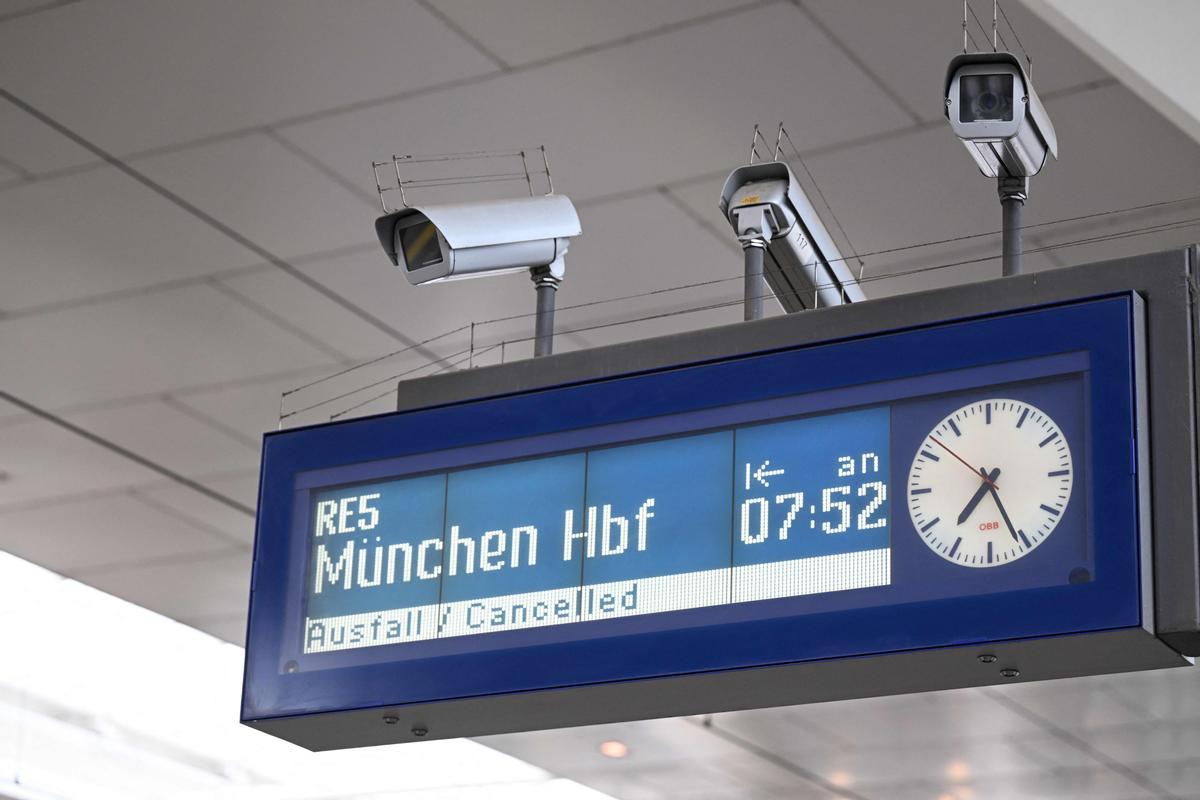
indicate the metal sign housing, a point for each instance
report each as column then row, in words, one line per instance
column 816, row 566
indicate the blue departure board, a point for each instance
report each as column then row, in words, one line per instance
column 749, row 513
column 900, row 492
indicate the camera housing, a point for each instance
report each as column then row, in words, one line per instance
column 992, row 107
column 444, row 242
column 765, row 201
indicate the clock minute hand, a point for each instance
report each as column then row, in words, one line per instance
column 988, row 484
column 1011, row 530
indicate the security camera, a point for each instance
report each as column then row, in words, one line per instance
column 466, row 240
column 769, row 210
column 993, row 108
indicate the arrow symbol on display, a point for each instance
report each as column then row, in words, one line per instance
column 762, row 473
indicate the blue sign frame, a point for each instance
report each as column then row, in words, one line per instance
column 1093, row 339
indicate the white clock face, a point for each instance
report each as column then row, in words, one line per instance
column 990, row 483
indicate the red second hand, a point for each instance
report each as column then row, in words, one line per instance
column 977, row 473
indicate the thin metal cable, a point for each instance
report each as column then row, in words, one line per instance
column 715, row 281
column 982, row 28
column 699, row 284
column 392, row 391
column 464, row 355
column 733, row 302
column 376, row 360
column 1016, row 36
column 344, row 395
column 884, row 251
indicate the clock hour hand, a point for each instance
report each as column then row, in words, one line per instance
column 988, row 484
column 996, row 496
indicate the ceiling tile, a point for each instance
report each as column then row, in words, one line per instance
column 42, row 460
column 1148, row 742
column 1090, row 782
column 168, row 435
column 1094, row 783
column 204, row 511
column 88, row 533
column 344, row 334
column 1076, row 703
column 142, row 74
column 96, row 233
column 659, row 742
column 201, row 587
column 1167, row 694
column 1094, row 171
column 267, row 194
column 636, row 115
column 946, row 717
column 35, row 147
column 521, row 31
column 240, row 486
column 142, row 345
column 1181, row 777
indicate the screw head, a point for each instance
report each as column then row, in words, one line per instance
column 987, row 658
column 390, row 719
column 419, row 731
column 1010, row 672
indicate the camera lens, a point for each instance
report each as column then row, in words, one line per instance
column 419, row 245
column 985, row 98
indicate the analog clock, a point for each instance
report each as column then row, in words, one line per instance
column 990, row 482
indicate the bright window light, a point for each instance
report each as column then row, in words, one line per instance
column 102, row 699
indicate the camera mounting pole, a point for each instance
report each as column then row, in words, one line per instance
column 753, row 247
column 1014, row 191
column 545, row 283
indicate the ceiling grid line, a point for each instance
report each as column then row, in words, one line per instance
column 278, row 321
column 721, row 236
column 368, row 197
column 166, row 508
column 175, row 559
column 228, row 273
column 854, row 59
column 461, row 33
column 126, row 453
column 233, row 433
column 50, row 5
column 24, row 175
column 17, row 506
column 183, row 392
column 777, row 760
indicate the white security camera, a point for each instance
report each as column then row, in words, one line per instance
column 465, row 240
column 992, row 107
column 768, row 209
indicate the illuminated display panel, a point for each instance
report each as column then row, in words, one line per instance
column 853, row 508
column 750, row 513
